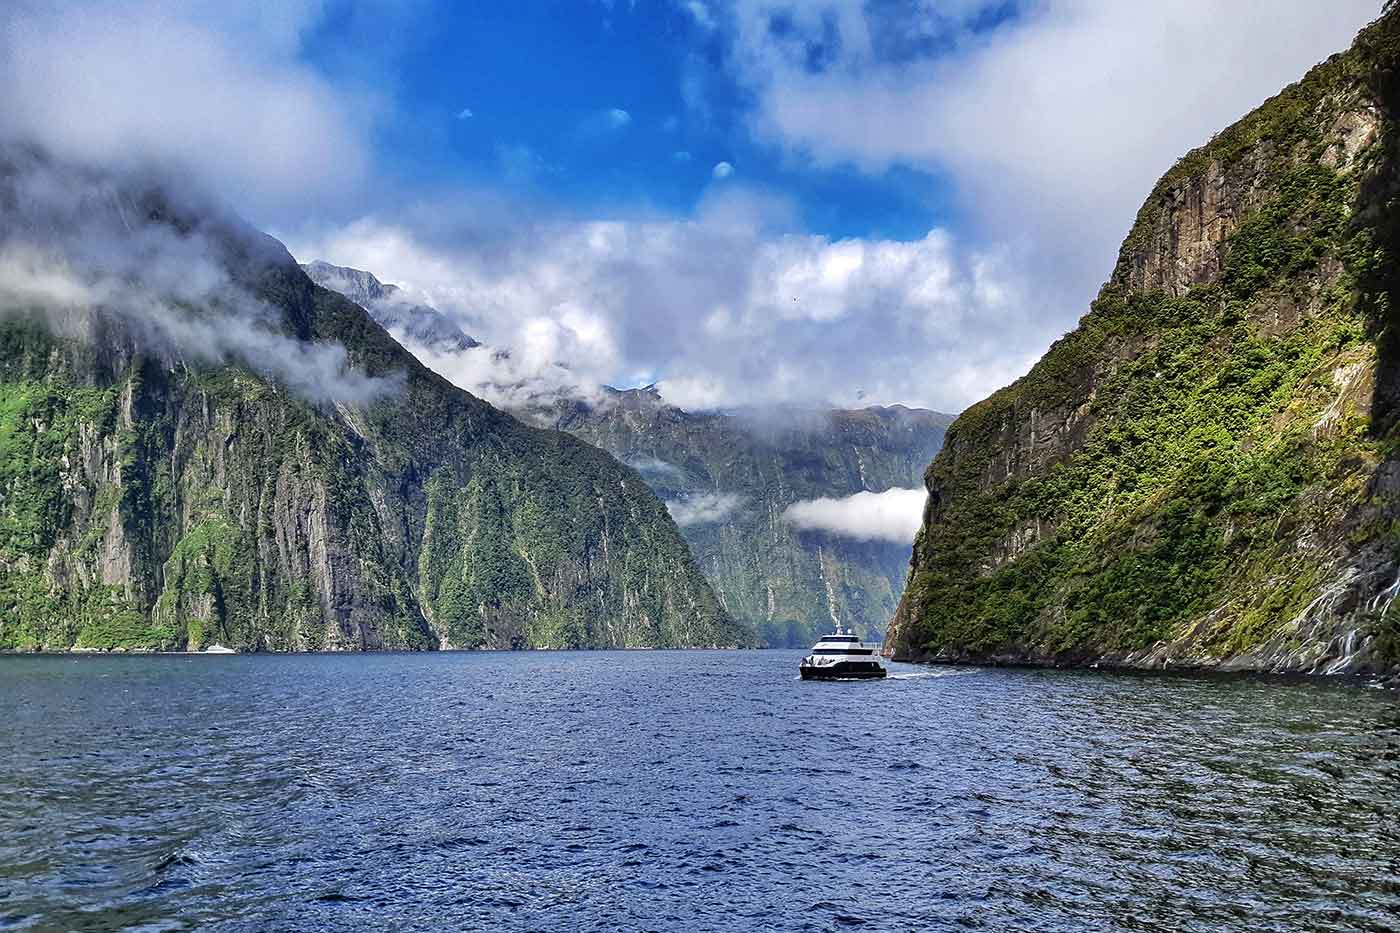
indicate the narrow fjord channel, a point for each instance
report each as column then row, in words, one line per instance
column 701, row 790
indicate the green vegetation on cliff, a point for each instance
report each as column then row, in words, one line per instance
column 151, row 499
column 1204, row 471
column 730, row 476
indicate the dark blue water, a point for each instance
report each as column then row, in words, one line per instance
column 685, row 791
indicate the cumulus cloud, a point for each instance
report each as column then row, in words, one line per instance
column 1050, row 128
column 704, row 509
column 1053, row 127
column 730, row 308
column 523, row 382
column 216, row 89
column 465, row 113
column 77, row 251
column 893, row 515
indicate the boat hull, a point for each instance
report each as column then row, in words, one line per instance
column 843, row 670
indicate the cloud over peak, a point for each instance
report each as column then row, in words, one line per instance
column 78, row 252
column 1043, row 124
column 725, row 309
column 218, row 92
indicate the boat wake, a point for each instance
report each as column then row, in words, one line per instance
column 925, row 675
column 909, row 675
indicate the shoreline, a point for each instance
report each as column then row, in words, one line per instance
column 1389, row 680
column 1369, row 680
column 156, row 653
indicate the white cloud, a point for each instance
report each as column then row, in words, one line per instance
column 465, row 114
column 217, row 90
column 704, row 509
column 1052, row 130
column 75, row 245
column 656, row 467
column 726, row 309
column 893, row 515
column 1054, row 127
column 521, row 382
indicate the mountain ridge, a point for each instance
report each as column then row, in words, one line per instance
column 419, row 322
column 728, row 476
column 159, row 494
column 1202, row 473
column 731, row 476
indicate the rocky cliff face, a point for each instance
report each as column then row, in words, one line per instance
column 729, row 477
column 1205, row 472
column 174, row 473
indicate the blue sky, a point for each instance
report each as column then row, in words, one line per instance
column 606, row 109
column 924, row 193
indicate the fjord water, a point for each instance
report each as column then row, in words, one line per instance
column 685, row 791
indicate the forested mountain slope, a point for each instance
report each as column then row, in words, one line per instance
column 1206, row 471
column 198, row 445
column 730, row 477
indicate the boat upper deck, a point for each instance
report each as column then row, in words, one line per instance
column 841, row 643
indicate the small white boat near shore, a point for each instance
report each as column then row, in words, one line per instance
column 217, row 648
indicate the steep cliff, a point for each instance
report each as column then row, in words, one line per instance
column 198, row 444
column 1206, row 471
column 729, row 478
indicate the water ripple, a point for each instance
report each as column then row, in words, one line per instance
column 685, row 791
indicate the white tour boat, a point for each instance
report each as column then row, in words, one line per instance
column 842, row 656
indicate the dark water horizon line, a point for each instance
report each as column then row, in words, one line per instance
column 1366, row 681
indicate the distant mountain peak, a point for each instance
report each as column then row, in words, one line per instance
column 419, row 323
column 1203, row 472
column 208, row 448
